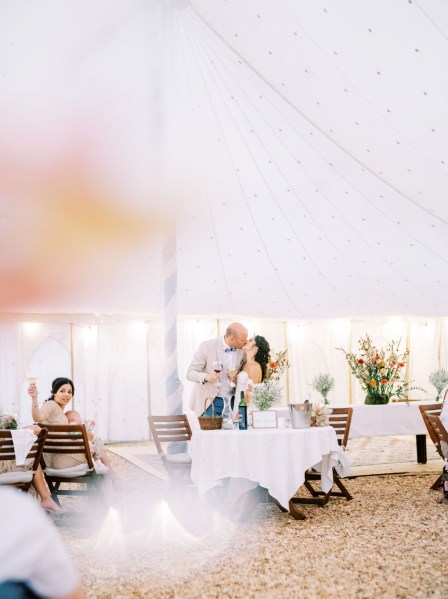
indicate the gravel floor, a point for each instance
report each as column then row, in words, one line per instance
column 389, row 541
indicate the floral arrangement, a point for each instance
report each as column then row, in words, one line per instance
column 439, row 378
column 319, row 415
column 323, row 383
column 266, row 394
column 380, row 371
column 8, row 422
column 277, row 365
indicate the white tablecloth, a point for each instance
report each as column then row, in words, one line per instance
column 23, row 439
column 276, row 459
column 392, row 419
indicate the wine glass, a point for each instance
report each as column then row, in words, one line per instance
column 231, row 373
column 217, row 367
column 30, row 378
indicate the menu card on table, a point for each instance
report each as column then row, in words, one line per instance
column 264, row 419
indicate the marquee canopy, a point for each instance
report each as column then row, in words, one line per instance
column 298, row 148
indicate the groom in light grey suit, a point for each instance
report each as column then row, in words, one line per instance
column 226, row 349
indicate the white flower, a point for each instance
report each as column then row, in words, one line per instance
column 439, row 378
column 323, row 383
column 319, row 415
column 8, row 422
column 265, row 395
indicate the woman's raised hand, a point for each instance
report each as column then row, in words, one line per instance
column 33, row 392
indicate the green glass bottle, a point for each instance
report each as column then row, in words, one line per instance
column 242, row 410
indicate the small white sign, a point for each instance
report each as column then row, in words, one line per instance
column 264, row 419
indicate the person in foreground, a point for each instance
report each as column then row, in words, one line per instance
column 33, row 559
column 224, row 353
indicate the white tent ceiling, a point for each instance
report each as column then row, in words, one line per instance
column 300, row 147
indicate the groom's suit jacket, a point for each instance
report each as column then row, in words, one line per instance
column 202, row 362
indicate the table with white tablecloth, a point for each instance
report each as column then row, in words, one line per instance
column 392, row 419
column 275, row 459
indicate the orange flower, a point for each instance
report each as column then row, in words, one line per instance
column 377, row 357
column 382, row 364
column 400, row 364
column 273, row 364
column 372, row 383
column 383, row 381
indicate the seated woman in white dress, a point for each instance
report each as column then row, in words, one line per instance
column 253, row 370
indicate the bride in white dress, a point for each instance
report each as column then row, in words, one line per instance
column 254, row 368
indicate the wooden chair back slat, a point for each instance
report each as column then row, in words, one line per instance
column 340, row 419
column 427, row 410
column 169, row 429
column 441, row 433
column 71, row 439
column 66, row 439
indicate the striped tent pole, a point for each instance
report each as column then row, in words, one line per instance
column 173, row 386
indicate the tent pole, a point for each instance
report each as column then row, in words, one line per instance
column 173, row 386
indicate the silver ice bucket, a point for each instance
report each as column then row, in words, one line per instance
column 300, row 414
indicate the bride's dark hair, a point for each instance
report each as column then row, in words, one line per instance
column 262, row 355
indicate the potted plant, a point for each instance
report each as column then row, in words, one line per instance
column 439, row 378
column 266, row 394
column 380, row 371
column 323, row 383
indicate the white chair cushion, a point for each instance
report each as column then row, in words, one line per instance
column 11, row 478
column 178, row 458
column 79, row 470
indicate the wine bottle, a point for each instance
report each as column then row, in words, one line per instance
column 242, row 410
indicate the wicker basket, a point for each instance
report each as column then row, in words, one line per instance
column 210, row 423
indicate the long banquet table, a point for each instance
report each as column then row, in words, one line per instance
column 276, row 459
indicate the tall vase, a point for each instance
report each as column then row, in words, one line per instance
column 227, row 416
column 373, row 399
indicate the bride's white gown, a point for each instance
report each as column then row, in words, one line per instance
column 242, row 382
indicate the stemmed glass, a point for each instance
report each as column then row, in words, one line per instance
column 217, row 367
column 231, row 373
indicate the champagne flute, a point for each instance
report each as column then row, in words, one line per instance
column 217, row 367
column 231, row 373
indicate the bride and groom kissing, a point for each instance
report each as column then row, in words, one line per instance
column 224, row 367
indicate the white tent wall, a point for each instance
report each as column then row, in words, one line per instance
column 118, row 363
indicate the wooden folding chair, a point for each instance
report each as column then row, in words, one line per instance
column 426, row 410
column 21, row 479
column 64, row 439
column 172, row 429
column 340, row 419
